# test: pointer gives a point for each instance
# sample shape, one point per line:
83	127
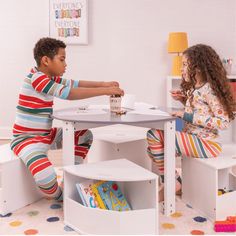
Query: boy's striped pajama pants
186	145
33	151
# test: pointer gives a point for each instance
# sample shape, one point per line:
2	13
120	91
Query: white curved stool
17	187
201	179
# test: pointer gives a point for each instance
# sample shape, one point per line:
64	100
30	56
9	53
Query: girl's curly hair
205	59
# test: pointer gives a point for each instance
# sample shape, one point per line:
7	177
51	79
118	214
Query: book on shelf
98	198
112	196
81	194
86	194
102	194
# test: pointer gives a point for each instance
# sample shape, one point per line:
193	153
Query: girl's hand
115	91
110	84
177	95
179	114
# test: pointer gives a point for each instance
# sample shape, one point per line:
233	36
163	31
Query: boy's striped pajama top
204	116
33	134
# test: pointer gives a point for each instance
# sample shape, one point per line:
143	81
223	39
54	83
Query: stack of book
103	195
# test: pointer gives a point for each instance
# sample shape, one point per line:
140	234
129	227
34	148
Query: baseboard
5	132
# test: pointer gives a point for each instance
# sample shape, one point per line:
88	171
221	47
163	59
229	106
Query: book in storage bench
103	195
86	194
112	196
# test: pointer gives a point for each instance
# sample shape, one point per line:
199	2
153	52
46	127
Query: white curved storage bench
137	184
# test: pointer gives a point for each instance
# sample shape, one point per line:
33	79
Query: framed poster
69	21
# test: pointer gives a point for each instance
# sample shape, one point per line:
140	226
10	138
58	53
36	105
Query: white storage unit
203	177
17	187
138	185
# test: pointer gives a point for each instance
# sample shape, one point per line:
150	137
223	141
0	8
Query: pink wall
127	42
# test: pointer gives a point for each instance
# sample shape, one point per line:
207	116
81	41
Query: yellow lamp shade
177	42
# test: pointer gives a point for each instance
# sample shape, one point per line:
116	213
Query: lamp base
176	66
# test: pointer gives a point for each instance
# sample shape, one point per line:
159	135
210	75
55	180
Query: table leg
68	143
234	130
169	162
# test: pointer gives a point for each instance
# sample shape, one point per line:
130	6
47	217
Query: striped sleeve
70	83
43	84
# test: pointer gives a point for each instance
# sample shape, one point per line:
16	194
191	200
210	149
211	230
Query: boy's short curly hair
47	47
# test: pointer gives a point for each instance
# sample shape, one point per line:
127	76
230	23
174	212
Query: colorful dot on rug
200	219
68	228
7	215
55	206
15	223
32	213
176	215
53	219
168	226
197	232
31	232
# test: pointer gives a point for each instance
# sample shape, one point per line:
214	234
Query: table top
102	114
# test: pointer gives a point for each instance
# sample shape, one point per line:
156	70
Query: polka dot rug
46	217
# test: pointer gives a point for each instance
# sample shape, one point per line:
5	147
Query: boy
33	134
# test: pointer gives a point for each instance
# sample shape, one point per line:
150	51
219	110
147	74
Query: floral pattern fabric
206	112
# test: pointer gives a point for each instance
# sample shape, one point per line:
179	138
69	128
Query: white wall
127	42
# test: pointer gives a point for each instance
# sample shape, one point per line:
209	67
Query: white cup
115	104
128	101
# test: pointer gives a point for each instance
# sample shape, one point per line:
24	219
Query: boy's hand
115	91
110	84
179	114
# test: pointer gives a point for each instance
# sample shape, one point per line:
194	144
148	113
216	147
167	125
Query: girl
208	101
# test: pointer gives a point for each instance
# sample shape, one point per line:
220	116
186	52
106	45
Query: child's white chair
17	187
201	179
